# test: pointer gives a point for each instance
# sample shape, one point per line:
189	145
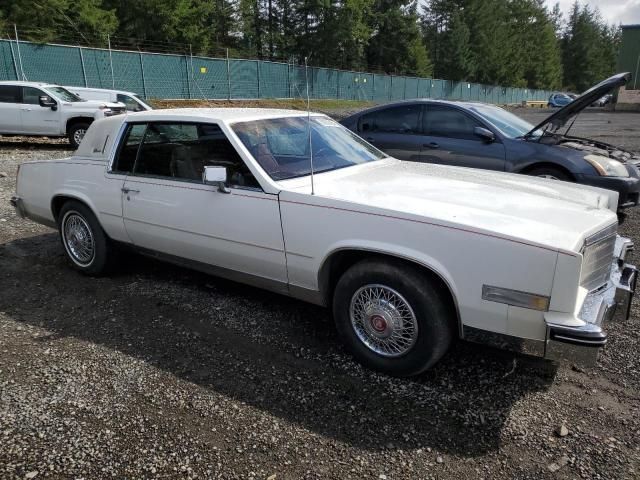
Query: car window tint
131	104
9	94
180	151
31	95
450	122
126	155
399	119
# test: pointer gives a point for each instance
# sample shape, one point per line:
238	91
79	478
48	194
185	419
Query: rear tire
392	317
87	246
550	173
76	133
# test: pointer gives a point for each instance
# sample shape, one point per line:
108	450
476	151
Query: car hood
548	213
559	118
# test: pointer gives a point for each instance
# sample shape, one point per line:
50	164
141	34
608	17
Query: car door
10	120
38	120
451	140
168	209
396	130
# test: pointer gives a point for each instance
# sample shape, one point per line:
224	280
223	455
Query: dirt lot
159	372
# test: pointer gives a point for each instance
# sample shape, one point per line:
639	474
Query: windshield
64	94
281	145
142	102
509	124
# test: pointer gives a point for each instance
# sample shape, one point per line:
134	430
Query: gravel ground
160	372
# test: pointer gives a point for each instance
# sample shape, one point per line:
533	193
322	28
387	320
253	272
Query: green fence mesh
167	76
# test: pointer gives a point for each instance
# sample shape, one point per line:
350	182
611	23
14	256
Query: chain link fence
170	76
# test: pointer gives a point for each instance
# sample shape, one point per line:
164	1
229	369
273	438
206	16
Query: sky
626	12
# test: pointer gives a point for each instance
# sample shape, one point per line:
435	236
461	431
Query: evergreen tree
396	45
588	48
507	42
48	20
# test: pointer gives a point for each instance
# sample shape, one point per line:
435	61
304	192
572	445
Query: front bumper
18	204
581	344
628	188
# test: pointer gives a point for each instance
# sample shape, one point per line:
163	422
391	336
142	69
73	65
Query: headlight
607	167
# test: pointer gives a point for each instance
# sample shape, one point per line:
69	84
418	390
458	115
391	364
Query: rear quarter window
10	94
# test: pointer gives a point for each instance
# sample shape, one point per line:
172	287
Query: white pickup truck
409	256
41	109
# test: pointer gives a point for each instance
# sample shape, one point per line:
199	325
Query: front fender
392	250
522	155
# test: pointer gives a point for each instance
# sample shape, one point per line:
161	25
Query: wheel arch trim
407	255
78	197
532	165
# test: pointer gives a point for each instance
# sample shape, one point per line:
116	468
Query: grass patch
296	104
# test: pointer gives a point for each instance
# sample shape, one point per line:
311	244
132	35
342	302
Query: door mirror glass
486	135
216	176
46	101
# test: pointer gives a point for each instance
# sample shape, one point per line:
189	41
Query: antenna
306	77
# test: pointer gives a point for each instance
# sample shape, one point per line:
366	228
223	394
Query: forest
520	43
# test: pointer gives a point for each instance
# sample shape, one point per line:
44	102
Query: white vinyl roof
227	115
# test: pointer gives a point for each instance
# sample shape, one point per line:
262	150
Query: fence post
373	86
337	84
258	75
113	80
144	83
228	77
84	72
15	28
186	65
13	58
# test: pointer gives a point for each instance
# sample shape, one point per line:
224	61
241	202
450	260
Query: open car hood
559	118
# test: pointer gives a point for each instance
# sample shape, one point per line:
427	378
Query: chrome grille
597	258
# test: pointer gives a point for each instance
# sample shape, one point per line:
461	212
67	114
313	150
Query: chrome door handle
129	190
26	109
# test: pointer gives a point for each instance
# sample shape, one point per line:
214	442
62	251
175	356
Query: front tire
76	133
85	243
550	173
392	317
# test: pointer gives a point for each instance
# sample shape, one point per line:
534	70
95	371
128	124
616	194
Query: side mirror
483	133
47	102
216	176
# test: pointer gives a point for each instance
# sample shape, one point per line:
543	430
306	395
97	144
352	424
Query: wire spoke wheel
383	320
78	239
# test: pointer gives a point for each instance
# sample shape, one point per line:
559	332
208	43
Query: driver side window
441	121
31	96
180	151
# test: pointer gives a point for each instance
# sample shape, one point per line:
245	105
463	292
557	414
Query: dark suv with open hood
480	135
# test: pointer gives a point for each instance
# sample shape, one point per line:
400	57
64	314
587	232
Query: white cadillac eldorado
409	256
